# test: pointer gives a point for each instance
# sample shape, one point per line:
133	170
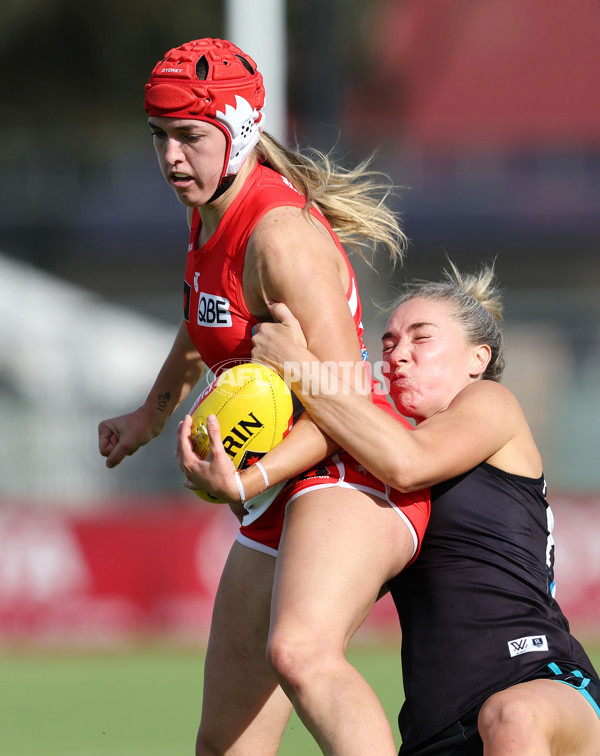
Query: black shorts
462	738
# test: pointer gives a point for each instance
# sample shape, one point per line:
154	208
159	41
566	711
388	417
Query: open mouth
180	179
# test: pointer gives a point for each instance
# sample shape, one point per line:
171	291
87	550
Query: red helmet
211	80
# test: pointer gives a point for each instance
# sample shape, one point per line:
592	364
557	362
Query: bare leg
339	546
244	711
539	718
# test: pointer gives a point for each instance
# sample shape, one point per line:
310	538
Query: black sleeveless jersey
477	607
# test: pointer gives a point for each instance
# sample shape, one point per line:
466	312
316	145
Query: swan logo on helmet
239	122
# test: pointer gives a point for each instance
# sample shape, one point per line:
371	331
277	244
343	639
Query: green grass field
142	702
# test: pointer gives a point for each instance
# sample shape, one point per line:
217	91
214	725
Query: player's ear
481	357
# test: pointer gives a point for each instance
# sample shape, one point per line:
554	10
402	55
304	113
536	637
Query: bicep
304	269
477	424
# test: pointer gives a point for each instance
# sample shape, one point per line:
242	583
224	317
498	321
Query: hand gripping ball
255	412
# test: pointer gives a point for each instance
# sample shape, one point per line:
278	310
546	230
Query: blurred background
485	112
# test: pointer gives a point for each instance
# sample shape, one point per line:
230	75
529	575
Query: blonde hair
477	305
353	201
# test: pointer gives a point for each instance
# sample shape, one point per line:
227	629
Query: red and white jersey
218	319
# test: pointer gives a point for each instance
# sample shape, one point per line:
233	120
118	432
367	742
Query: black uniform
477	609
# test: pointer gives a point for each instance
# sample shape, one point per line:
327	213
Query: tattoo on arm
163	401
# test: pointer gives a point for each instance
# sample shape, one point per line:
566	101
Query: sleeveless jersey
477	607
215	312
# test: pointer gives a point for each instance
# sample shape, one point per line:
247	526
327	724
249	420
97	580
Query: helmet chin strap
224	185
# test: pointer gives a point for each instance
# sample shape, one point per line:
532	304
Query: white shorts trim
255	545
259	504
365	489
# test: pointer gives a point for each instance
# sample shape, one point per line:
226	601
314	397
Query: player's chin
402	402
186	198
190	194
397	396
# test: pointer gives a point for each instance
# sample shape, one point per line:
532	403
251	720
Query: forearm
353	421
180	372
304	447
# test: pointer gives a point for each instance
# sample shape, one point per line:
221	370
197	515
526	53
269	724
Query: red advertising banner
577	569
112	575
104	576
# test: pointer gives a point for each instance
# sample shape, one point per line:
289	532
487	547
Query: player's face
191	156
428	357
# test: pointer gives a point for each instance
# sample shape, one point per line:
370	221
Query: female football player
489	664
267	223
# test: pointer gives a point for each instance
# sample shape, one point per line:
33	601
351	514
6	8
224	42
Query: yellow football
255	412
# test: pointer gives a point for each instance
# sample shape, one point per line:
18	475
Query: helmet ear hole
202	68
246	64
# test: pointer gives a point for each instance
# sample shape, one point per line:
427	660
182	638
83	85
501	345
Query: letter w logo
527	644
519	646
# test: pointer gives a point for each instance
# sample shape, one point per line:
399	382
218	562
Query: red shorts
342	471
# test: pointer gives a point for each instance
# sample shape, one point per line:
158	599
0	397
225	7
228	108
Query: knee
285	658
292	660
508	720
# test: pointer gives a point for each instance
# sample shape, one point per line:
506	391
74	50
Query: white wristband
240	485
264	474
